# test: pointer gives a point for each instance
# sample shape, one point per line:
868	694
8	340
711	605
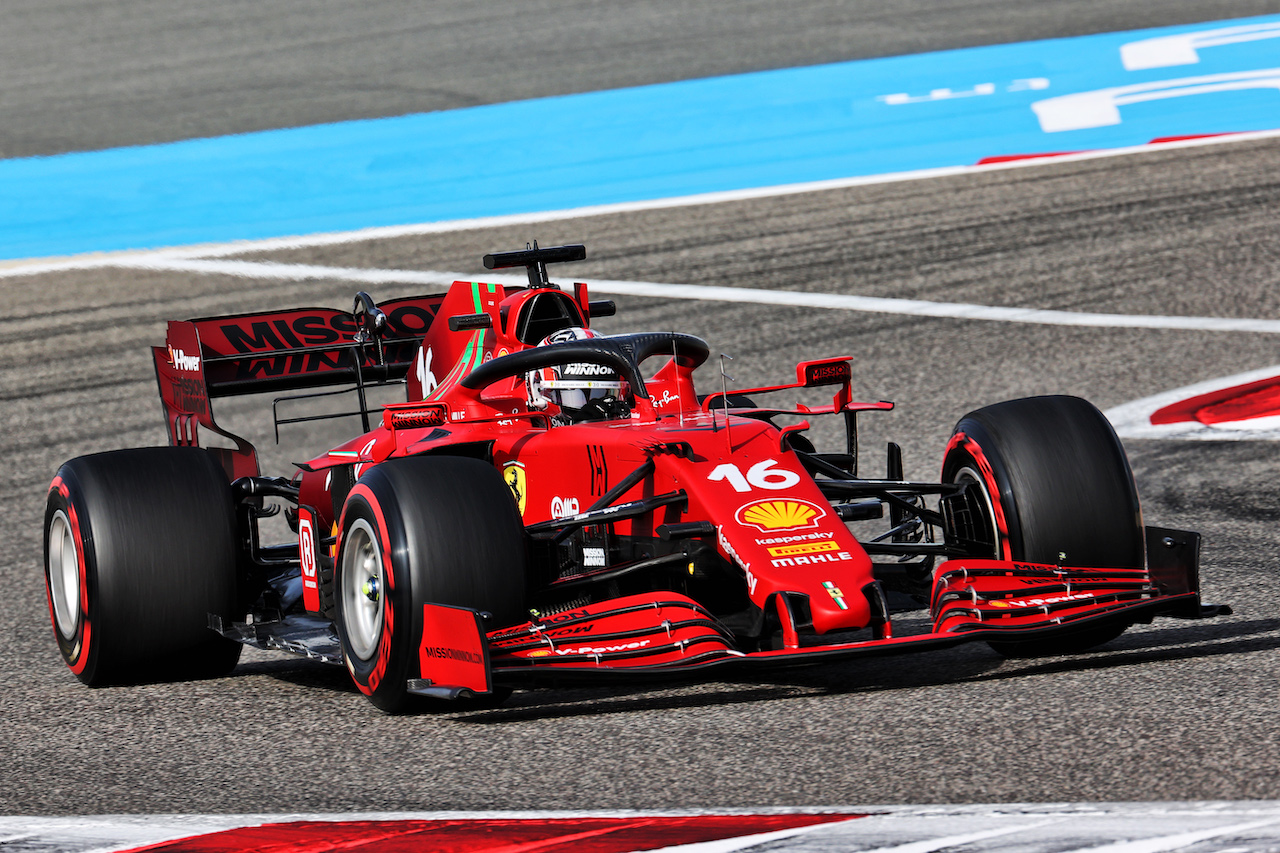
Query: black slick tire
139	549
1057	489
434	529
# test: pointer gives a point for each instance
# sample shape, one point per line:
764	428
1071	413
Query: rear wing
307	347
282	351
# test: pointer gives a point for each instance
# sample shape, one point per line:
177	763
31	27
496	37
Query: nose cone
824	562
835	607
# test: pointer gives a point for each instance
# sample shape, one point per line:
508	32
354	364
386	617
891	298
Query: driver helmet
572	386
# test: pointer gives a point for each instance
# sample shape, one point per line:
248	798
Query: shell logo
793	514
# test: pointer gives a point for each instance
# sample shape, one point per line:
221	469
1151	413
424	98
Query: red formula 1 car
551	504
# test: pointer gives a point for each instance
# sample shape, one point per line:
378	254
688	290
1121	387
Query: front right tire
1055	488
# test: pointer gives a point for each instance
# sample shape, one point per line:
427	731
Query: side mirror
602	308
370	321
460	322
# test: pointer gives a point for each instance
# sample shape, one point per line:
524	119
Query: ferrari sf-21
547	504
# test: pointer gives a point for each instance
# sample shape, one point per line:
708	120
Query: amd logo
563	507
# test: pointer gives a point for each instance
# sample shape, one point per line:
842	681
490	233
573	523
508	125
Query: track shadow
972	663
1144	648
975	662
545	704
738	688
1208	630
301	672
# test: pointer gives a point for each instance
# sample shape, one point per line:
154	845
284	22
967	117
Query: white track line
948	310
932	845
703	198
304	272
1082	827
92	261
1133	420
742	842
710	293
200	259
1180	841
36	266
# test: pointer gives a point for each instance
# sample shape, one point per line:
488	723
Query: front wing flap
664	634
972	595
659	629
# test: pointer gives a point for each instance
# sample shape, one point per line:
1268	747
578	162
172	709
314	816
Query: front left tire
433	529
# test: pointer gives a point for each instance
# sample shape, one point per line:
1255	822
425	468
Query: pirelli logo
803	548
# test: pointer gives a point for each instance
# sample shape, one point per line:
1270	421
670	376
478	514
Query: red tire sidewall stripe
971	447
77	655
369	684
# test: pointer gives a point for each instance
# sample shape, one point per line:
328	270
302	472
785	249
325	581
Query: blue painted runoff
745	131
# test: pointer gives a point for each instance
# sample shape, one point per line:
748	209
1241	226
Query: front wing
661	635
664	634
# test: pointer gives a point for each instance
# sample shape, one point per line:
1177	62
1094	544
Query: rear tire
1057	489
433	529
139	549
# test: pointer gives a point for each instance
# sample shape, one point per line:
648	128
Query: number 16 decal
762	475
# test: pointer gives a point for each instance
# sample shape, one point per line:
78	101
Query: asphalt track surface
80	75
1172	711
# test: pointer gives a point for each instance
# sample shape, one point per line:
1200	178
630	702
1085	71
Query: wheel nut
370	589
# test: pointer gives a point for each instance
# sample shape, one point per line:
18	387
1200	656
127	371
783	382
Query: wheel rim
64	575
363	589
969	475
